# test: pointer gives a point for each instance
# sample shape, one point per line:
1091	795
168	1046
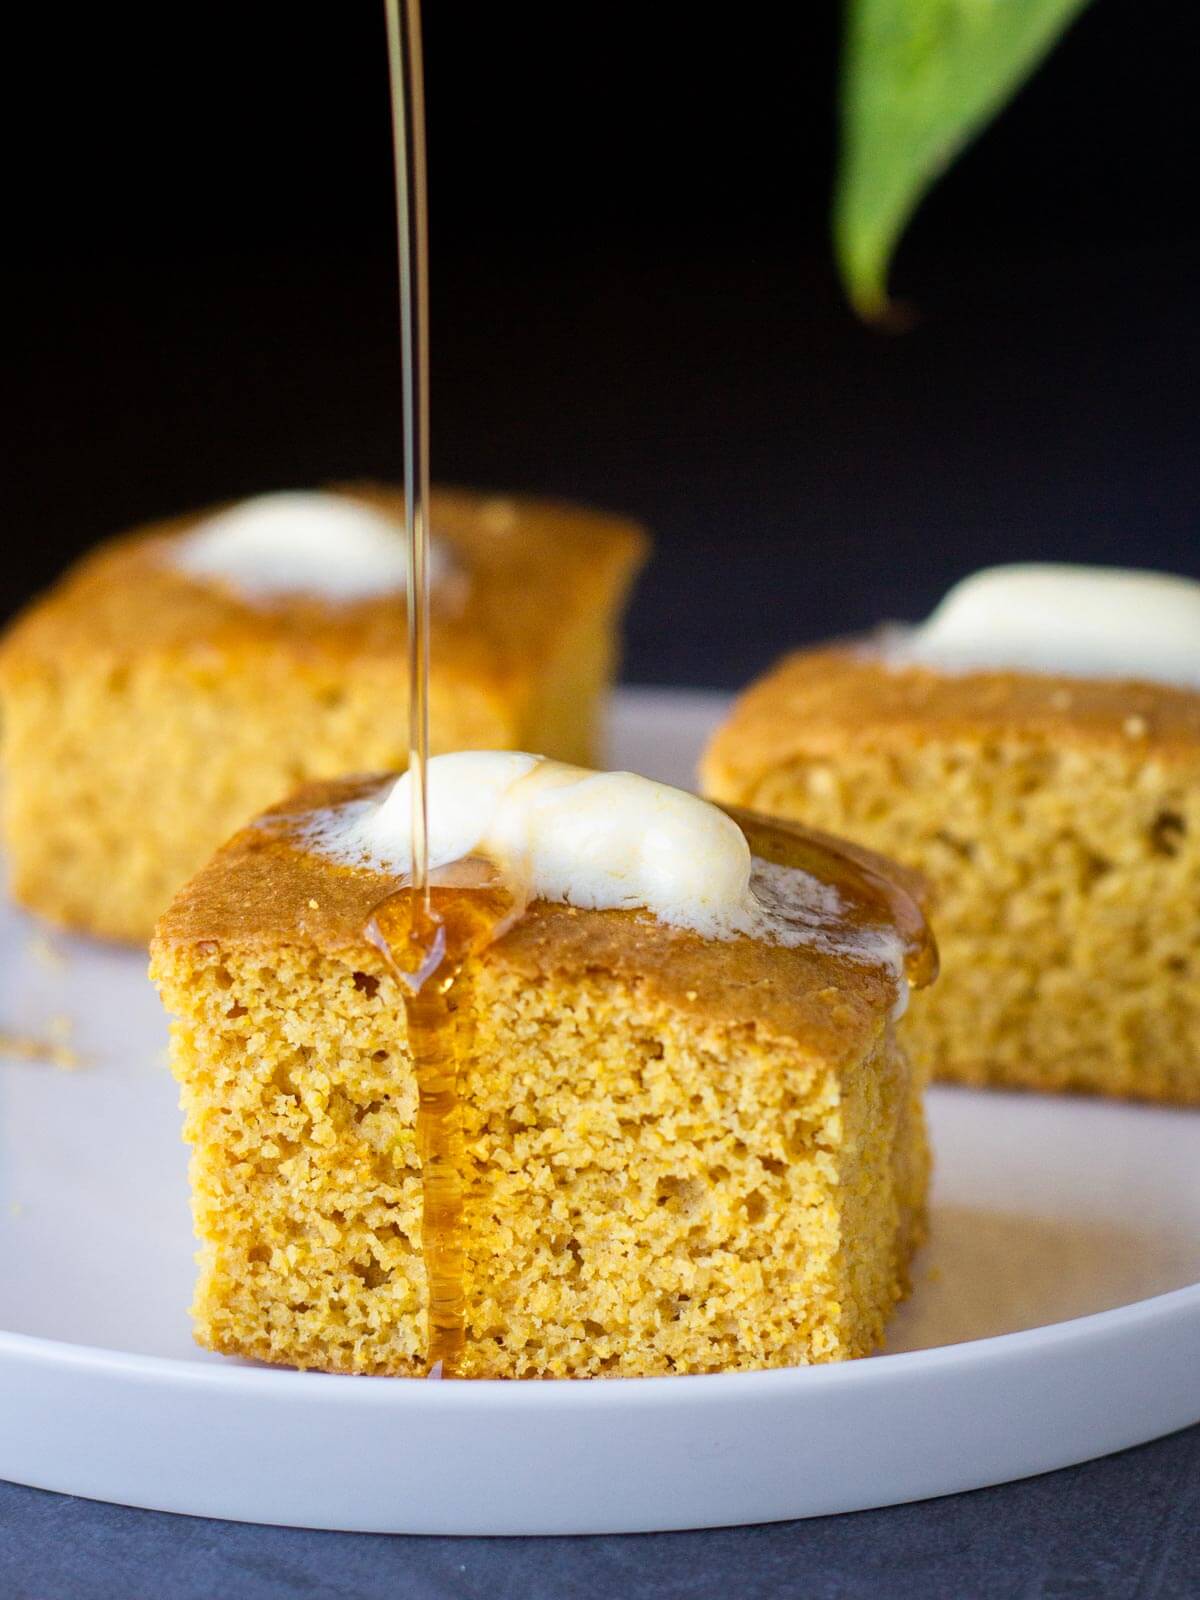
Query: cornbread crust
835	699
1059	820
260	891
147	714
523	563
684	1155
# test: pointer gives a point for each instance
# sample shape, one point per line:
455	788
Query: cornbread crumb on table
681	1155
1059	821
53	1047
147	714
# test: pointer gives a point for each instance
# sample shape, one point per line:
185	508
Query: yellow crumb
46	953
53	1050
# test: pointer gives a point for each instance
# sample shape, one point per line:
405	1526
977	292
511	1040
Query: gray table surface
1127	1527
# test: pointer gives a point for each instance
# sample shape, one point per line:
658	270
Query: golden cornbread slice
1059	821
148	713
679	1154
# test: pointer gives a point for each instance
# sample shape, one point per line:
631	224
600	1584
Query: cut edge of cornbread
647	1193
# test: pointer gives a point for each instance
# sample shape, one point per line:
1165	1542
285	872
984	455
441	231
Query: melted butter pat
1073	621
617	841
597	840
327	546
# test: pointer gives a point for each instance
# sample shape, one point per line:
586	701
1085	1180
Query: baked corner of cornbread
149	712
1059	822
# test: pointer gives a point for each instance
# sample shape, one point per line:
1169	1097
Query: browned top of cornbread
841	697
264	890
524	569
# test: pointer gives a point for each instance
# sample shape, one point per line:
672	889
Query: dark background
633	298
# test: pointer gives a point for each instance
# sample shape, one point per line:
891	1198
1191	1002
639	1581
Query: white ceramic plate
1056	1314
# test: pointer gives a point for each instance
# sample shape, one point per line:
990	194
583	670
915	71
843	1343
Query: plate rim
20	1348
103	1422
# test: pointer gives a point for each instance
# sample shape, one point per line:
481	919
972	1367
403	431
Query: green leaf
920	79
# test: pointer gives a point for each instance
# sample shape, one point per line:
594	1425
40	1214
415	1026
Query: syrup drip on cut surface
869	898
426	941
426	949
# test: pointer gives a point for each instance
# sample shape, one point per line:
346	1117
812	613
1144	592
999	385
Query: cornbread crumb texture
673	1163
1059	820
147	715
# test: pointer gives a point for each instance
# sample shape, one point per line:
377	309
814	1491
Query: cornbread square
148	713
1059	821
679	1154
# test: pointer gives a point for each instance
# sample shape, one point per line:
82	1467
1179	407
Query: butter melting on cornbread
681	1153
1034	749
181	678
